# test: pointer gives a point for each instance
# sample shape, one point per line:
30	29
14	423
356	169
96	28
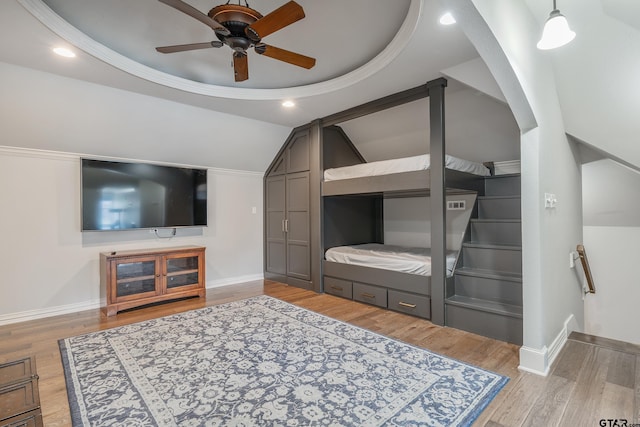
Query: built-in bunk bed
357	264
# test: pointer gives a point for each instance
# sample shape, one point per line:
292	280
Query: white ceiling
338	34
428	48
598	70
365	50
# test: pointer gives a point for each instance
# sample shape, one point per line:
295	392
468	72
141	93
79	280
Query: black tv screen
124	196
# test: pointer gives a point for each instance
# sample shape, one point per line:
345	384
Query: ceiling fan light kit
556	31
242	28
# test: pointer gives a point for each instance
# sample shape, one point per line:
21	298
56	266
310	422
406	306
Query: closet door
297	153
297	226
276	250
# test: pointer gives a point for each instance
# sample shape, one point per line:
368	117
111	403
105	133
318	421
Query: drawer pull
406	304
366	295
337	288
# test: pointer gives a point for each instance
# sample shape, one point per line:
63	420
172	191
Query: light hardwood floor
590	381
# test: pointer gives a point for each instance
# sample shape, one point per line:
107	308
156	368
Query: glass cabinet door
182	272
135	278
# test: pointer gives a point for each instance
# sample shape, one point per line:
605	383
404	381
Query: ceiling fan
241	28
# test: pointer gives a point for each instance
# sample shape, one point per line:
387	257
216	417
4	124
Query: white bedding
389	257
405	164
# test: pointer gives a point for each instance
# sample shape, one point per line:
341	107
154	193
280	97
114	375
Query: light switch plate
550	200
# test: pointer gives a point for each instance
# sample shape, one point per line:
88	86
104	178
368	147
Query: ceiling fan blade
195	13
285	55
240	66
285	15
190	46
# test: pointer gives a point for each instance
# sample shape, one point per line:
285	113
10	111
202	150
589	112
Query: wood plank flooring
592	379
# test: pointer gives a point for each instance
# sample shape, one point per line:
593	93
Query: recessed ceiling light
447	19
63	51
288	104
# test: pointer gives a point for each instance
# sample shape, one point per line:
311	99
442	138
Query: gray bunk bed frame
341	198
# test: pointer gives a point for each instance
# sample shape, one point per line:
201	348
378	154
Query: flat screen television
125	196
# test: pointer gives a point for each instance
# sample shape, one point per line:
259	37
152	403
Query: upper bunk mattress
389	257
405	164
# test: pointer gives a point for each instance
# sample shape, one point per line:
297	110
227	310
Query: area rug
265	362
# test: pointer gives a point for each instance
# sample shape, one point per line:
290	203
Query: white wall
505	35
611	200
49	112
613	255
597	73
407	221
49	266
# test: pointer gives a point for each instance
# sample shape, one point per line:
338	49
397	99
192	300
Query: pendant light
556	31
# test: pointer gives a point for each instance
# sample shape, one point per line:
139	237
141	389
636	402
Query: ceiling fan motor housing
241	28
236	19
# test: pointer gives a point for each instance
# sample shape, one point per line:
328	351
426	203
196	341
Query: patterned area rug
262	361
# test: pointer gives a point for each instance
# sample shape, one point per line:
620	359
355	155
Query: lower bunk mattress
389	257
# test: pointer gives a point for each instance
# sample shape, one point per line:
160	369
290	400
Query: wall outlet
254	210
456	205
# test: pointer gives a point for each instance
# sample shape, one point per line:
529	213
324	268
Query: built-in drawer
339	287
417	305
370	294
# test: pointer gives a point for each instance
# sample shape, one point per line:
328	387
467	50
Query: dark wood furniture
19	397
135	278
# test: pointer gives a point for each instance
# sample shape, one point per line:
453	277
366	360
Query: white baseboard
539	361
233	280
24	316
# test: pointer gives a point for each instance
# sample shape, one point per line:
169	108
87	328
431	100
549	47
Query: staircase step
497	231
496	257
498	207
489	274
502	185
489	286
499	321
485	197
494	307
497	220
496	246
